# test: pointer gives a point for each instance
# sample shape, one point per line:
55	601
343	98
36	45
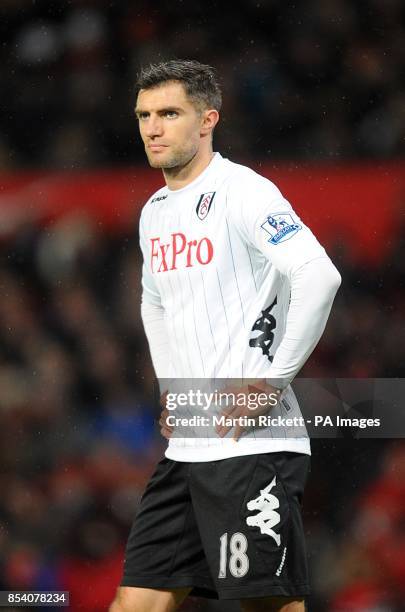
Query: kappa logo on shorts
281	227
204	204
267	518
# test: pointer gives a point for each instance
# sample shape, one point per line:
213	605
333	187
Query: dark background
306	82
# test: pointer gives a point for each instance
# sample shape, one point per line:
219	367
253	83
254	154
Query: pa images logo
281	227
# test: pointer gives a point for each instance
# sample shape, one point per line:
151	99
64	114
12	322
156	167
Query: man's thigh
248	511
164	549
273	604
137	599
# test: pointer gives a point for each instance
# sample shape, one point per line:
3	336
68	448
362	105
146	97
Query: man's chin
155	162
170	160
161	163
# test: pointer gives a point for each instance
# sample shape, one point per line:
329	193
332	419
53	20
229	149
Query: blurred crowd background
313	80
308	79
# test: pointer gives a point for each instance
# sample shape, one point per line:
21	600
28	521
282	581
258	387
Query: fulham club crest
204	204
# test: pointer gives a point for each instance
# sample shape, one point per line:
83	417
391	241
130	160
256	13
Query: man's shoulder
243	179
158	196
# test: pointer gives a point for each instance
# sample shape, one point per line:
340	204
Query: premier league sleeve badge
280	227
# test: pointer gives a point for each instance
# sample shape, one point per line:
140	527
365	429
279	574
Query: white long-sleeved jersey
234	286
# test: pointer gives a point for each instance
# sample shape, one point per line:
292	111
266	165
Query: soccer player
235	286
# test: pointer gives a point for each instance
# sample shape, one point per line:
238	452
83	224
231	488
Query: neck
179	177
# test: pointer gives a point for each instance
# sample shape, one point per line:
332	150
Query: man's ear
209	119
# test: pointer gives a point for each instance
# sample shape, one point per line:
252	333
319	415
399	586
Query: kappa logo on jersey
204	204
281	227
265	326
179	252
267	517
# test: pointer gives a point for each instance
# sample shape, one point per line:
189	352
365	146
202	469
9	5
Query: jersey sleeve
268	222
153	318
313	288
150	293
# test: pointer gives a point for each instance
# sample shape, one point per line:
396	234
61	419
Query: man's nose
154	127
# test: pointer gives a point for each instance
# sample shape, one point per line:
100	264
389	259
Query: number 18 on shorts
229	529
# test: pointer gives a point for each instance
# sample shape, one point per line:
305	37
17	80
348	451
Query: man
234	286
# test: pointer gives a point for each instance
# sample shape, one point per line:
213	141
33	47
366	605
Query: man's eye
142	116
171	114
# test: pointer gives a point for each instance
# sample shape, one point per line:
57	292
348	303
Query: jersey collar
214	163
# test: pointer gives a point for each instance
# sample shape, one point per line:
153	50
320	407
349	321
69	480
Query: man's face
169	124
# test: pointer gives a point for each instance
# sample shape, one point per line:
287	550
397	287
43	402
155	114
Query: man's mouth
156	147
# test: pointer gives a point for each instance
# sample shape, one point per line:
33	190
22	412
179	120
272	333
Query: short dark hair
199	80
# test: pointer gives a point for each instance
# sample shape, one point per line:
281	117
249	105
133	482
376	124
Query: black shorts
230	529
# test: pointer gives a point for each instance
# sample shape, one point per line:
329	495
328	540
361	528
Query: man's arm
268	223
295	253
156	333
313	288
153	318
152	313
